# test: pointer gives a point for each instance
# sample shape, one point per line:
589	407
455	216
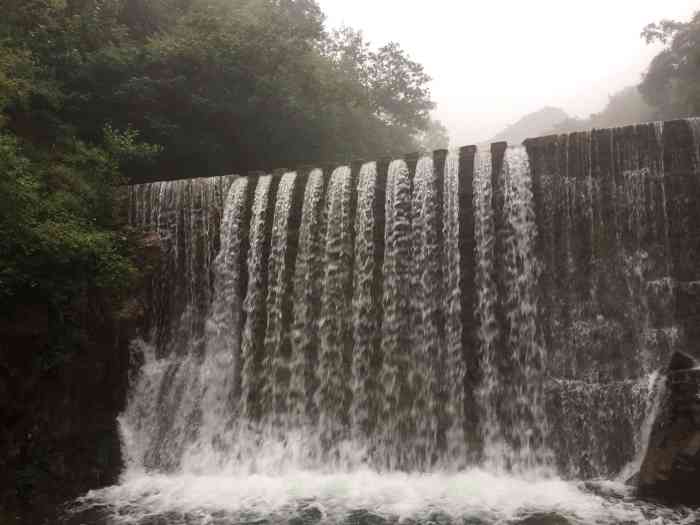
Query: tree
433	138
392	85
672	82
231	85
382	92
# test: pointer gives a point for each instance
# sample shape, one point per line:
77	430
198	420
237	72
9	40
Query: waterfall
429	344
395	432
365	381
487	297
333	396
527	425
220	369
307	301
503	310
344	328
451	303
253	379
276	365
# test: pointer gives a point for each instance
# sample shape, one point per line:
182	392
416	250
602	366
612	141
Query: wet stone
680	361
688	299
661	302
543	519
671	468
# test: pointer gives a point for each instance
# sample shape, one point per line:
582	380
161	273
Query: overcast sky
493	61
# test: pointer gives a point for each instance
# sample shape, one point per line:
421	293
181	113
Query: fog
494	61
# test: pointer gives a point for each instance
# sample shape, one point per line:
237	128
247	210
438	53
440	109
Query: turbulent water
447	340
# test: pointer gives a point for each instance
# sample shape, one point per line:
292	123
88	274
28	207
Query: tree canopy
434	137
672	82
219	85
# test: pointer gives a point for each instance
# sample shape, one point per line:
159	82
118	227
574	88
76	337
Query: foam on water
475	495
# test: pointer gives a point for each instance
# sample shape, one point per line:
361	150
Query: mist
493	62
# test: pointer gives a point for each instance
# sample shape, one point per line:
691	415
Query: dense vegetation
97	92
224	85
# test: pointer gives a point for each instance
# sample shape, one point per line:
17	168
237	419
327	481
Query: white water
473	494
451	303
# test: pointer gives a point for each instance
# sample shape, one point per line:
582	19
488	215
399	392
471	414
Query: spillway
470	334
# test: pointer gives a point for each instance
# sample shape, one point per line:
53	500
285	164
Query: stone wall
59	436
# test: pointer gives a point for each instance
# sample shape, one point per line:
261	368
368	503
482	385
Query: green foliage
57	231
58	234
229	85
672	82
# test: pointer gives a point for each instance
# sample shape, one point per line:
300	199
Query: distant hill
540	122
624	107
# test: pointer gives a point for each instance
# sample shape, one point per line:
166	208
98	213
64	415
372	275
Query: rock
670	471
550	518
59	437
681	361
633	480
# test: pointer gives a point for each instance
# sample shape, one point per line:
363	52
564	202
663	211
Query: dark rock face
671	468
59	435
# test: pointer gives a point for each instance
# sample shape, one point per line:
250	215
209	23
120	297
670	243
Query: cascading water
514	422
333	396
307	300
365	381
456	365
310	353
163	403
220	368
395	430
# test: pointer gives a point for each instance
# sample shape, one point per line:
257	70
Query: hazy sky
492	61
